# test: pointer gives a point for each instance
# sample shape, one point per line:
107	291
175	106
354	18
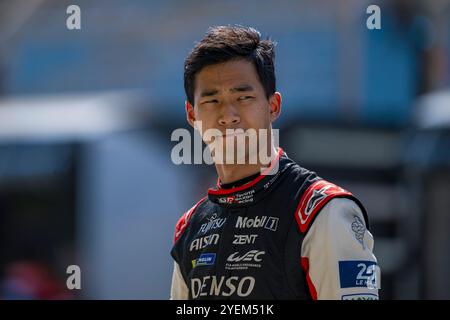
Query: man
270	229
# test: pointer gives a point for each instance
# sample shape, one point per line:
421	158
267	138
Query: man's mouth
233	133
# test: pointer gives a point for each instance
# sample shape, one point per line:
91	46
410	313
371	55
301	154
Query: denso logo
252	255
270	223
222	286
203	242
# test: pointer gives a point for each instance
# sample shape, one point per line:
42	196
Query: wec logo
252	255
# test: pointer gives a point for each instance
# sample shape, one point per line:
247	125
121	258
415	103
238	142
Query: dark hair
225	43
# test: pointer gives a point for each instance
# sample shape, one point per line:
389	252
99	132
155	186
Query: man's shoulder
316	194
298	173
184	220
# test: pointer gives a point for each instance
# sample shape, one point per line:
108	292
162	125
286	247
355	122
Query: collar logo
230	199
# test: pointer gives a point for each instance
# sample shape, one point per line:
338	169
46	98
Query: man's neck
229	173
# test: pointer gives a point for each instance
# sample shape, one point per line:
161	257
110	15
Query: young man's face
230	96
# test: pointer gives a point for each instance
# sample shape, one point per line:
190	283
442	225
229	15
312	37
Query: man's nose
229	115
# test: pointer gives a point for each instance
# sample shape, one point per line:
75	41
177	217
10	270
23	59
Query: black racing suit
247	242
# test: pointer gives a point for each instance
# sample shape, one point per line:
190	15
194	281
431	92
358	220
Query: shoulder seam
184	220
314	198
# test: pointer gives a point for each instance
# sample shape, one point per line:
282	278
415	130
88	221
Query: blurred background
86	116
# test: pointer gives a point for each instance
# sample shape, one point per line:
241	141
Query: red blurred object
32	280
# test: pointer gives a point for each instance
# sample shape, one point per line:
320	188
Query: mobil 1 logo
266	222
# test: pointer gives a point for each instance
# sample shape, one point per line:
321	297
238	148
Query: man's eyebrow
242	88
207	93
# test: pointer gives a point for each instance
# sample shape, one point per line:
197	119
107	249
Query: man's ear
275	106
190	114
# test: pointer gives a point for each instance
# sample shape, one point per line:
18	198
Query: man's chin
236	149
237	157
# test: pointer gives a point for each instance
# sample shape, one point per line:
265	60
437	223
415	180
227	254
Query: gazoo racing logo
212	224
270	223
243	197
230	199
203	242
222	286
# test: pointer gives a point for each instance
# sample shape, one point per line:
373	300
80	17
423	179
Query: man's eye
210	101
245	98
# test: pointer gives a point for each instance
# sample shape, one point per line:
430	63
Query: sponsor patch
358	274
250	259
205	259
252	255
203	242
360	296
214	222
244	238
222	286
269	223
239	198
